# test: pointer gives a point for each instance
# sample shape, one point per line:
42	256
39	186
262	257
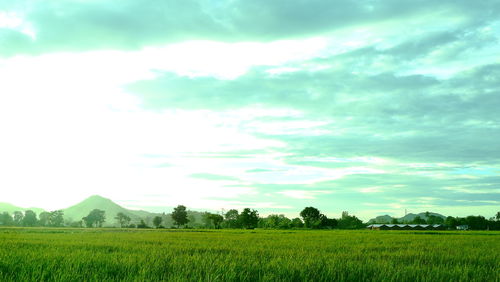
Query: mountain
407	218
381	219
77	212
82	209
6	207
411	216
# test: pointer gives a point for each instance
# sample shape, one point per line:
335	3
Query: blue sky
368	106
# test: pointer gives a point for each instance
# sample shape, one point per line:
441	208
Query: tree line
309	218
29	219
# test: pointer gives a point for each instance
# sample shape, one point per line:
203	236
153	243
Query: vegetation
312	218
248	218
28	254
95	218
97	254
142	224
123	219
349	222
157	221
232	219
179	215
212	220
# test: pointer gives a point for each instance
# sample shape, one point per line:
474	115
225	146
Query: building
406	227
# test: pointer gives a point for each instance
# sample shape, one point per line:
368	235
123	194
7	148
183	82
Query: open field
236	255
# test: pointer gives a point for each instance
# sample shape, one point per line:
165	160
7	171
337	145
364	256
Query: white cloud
68	131
229	60
373	189
14	21
303	194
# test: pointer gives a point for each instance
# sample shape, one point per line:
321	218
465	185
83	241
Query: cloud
73	25
215	177
377	101
259	103
386	115
303	194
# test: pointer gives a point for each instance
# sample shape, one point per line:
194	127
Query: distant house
406	227
463	227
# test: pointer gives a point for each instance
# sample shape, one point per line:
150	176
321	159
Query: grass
36	254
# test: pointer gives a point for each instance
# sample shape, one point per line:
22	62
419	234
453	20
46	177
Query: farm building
406	227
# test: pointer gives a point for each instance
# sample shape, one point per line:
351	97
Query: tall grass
131	255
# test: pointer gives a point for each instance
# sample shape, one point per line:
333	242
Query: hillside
82	209
411	216
76	212
407	218
381	219
6	207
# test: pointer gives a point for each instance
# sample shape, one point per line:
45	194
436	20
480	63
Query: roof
404	225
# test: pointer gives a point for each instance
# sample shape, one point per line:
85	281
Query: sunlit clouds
372	107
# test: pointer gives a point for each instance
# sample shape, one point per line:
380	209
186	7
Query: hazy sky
368	106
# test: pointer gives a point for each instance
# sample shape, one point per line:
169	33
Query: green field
235	255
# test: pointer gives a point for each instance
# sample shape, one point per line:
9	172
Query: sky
369	106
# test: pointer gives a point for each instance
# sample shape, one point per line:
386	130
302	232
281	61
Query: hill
82	209
6	207
407	218
411	216
77	212
381	219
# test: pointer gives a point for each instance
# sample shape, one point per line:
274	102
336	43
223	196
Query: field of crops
235	255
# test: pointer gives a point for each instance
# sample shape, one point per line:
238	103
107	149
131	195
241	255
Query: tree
18	218
142	224
179	215
157	221
56	218
432	219
207	221
44	219
191	219
30	218
497	216
88	221
75	224
326	222
271	221
476	222
311	216
276	221
217	219
123	219
394	221
95	218
6	219
494	224
212	220
418	220
284	222
297	223
451	222
349	222
231	219
249	218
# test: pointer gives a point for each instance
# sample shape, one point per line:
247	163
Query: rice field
36	254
